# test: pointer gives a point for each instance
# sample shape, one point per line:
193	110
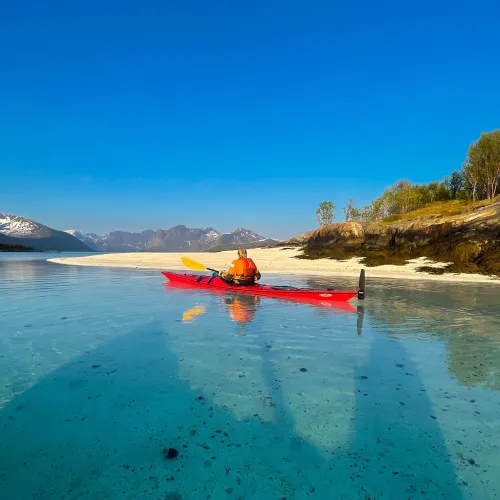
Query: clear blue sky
135	115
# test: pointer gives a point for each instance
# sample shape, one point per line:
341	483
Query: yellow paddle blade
190	314
192	264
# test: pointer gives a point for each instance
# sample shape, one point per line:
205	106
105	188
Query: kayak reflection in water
242	309
243	270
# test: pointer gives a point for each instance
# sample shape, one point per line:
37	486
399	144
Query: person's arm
229	276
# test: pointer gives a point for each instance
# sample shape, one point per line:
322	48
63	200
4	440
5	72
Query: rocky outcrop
482	223
343	233
470	238
298	241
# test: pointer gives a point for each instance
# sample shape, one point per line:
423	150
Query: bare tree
325	213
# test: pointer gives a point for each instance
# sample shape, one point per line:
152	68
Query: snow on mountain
211	235
92	240
16	226
239	236
83	234
242	235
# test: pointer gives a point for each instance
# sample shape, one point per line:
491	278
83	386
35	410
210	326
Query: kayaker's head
242	253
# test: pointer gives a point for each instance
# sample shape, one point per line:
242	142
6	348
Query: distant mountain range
17	230
175	239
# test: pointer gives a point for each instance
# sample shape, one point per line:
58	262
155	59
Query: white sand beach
273	261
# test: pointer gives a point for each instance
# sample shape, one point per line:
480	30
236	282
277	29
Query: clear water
102	369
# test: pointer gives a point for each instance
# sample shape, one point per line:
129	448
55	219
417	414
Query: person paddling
243	270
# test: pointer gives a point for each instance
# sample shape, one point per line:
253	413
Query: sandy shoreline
273	261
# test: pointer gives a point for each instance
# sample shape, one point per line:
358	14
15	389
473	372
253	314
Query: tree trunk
496	179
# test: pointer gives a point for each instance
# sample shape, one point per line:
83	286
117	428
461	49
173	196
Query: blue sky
135	115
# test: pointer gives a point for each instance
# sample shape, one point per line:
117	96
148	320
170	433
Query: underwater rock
170	453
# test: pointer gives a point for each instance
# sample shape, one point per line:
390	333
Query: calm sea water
102	371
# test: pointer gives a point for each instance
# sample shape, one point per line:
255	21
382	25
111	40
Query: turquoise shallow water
103	369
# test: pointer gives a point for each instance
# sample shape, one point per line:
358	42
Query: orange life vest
243	268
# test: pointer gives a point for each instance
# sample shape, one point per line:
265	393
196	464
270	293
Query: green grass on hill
439	208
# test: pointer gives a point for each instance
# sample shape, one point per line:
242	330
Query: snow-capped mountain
92	240
240	236
18	227
22	231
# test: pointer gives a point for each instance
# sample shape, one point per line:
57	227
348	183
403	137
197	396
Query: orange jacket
243	268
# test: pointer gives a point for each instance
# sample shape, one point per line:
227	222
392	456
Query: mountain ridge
175	239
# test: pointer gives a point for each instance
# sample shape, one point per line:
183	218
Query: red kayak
328	295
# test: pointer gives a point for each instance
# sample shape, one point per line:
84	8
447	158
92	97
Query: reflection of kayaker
242	309
243	270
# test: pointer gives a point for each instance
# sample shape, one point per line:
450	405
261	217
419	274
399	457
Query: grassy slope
438	208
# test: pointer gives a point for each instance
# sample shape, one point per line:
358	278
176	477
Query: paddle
197	266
